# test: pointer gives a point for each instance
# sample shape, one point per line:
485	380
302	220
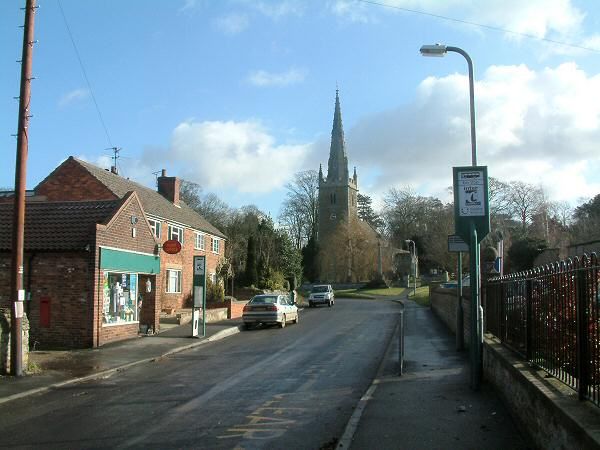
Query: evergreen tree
310	267
366	211
251	270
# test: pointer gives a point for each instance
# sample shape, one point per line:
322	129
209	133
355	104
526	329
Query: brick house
86	267
168	216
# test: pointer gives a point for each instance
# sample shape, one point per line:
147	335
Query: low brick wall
547	410
235	308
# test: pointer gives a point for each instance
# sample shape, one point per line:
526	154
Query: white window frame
156	227
179	233
215	245
200	241
178	280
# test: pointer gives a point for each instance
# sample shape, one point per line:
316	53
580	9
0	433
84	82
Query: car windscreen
320	289
263	300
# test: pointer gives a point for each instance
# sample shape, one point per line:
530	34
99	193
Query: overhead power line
89	85
480	25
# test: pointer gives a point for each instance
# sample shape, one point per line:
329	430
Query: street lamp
440	50
414	264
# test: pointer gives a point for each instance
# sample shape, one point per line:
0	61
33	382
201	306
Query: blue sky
239	95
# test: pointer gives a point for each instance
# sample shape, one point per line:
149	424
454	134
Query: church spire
337	167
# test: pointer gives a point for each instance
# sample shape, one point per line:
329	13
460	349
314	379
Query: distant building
337	191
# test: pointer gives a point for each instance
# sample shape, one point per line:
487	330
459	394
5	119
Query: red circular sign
171	247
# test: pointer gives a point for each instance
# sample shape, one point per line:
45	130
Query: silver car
269	309
321	294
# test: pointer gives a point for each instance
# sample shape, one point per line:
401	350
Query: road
266	388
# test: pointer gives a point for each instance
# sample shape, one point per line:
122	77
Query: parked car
269	309
466	282
321	294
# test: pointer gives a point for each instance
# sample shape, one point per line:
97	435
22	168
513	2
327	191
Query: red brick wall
70	181
63	278
184	261
235	308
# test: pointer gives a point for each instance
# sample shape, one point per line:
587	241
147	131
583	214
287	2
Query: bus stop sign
471	201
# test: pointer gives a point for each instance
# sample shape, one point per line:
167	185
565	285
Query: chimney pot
164	173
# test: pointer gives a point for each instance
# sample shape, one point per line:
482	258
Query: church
347	246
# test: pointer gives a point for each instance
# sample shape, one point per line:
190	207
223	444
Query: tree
523	252
586	220
251	269
310	260
525	200
367	213
300	207
209	206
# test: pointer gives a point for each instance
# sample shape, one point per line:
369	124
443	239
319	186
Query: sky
238	95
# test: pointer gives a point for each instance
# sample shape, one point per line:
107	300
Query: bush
273	281
214	292
378	283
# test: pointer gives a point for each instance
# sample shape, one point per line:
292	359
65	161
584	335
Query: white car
269	309
321	294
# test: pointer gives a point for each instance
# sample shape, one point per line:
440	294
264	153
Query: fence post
528	318
583	357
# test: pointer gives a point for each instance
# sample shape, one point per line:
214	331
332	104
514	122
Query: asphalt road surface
266	388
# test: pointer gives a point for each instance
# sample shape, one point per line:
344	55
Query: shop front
127	293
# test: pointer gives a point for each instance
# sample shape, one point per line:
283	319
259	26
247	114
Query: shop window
120	298
175	233
215	245
199	245
173	281
155	225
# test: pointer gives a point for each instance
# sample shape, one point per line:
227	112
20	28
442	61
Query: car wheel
297	318
310	304
248	325
330	303
282	324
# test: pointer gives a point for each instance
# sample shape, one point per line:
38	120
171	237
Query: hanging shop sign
172	247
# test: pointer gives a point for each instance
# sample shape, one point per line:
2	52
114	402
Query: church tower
337	191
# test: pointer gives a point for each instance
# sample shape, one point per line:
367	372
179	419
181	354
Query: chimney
113	169
168	187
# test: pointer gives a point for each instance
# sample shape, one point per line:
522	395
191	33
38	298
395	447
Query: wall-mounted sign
172	247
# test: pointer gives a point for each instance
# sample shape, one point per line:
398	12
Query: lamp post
414	264
440	50
476	340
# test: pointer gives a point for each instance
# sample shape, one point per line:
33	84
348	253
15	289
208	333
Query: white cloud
279	9
541	127
233	23
240	156
262	78
73	96
558	20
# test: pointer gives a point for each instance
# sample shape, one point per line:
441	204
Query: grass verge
422	296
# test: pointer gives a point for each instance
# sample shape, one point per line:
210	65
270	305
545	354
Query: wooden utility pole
17	291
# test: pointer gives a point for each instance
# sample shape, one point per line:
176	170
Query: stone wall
443	304
547	410
5	327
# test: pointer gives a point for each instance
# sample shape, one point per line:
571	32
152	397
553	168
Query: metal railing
550	316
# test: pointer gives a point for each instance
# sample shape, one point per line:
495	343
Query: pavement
429	406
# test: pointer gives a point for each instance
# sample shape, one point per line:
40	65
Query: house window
155	225
199	244
173	281
215	245
175	233
120	298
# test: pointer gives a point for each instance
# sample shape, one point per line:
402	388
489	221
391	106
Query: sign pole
472	222
199	295
460	345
